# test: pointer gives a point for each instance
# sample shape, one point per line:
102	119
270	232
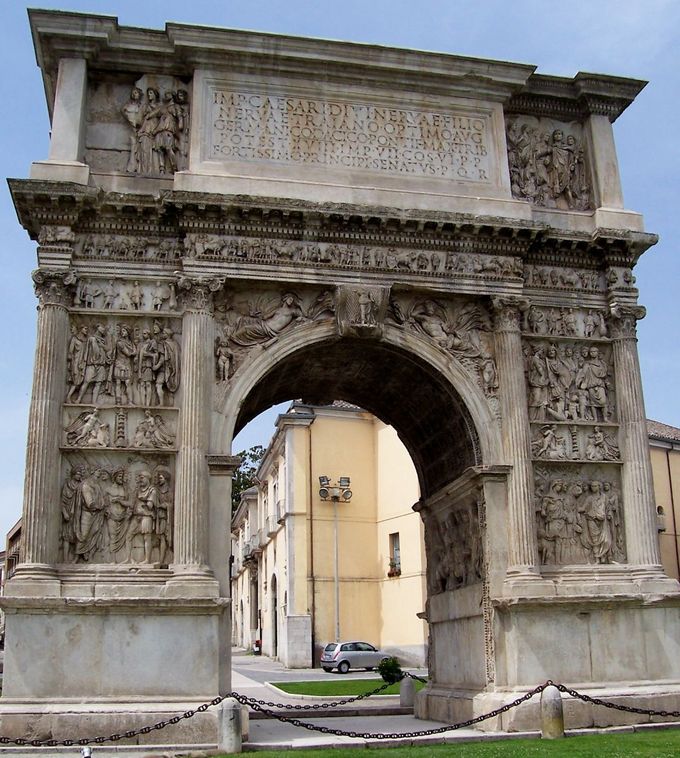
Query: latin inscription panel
265	128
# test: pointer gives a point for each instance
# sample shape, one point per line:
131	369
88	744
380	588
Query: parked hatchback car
346	655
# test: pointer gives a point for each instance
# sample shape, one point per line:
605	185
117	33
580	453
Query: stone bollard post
245	723
407	692
552	715
229	726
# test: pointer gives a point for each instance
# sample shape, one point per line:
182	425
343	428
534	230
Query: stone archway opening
392	383
402	389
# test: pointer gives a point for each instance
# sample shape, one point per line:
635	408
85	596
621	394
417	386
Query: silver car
345	655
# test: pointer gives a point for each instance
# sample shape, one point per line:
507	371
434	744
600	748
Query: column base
526	581
34	580
191	581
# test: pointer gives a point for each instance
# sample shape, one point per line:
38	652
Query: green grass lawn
337	687
658	744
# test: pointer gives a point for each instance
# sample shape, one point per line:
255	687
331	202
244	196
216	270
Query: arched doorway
418	390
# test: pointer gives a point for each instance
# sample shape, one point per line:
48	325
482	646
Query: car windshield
330	646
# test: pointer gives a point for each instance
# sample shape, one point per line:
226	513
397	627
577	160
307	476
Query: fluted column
522	548
41	514
191	494
636	475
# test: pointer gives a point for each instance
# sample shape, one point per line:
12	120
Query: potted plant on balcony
394	569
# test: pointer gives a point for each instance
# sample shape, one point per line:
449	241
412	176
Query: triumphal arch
229	219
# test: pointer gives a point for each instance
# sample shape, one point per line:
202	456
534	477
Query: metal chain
255	705
614	706
264	706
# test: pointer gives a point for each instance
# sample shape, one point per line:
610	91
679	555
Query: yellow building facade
664	449
306	570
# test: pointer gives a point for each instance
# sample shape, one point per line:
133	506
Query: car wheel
383	660
343	667
327	669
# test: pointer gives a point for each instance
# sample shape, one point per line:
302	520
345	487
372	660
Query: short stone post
229	726
552	714
407	692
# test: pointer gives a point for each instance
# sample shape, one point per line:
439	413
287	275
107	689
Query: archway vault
394	383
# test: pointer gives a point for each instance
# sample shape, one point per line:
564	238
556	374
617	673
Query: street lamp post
336	493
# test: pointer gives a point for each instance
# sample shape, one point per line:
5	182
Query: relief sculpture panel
579	516
123	363
246	320
572	382
548	163
116	510
141	128
454	547
460	327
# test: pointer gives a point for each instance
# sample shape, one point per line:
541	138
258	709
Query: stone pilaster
522	548
192	507
636	475
41	513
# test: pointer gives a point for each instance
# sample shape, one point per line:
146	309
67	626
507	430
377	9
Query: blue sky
637	39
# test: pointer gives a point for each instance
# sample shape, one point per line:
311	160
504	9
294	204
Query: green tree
245	473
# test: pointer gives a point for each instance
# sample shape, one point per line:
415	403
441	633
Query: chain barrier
265	707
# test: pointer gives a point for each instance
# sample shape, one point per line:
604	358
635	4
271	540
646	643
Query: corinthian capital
508	313
196	292
623	320
54	287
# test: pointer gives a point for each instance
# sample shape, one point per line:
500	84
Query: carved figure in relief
489	376
599	524
110	294
153	432
74	360
601	447
121	372
166	366
136	297
161	293
83	429
89	524
144	511
146	360
536	320
550	445
94	359
458	336
570	324
614	513
70	512
538	385
86	294
264	324
166	137
118	514
146	134
554	525
224	359
367	308
182	100
133	111
164	513
592	379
